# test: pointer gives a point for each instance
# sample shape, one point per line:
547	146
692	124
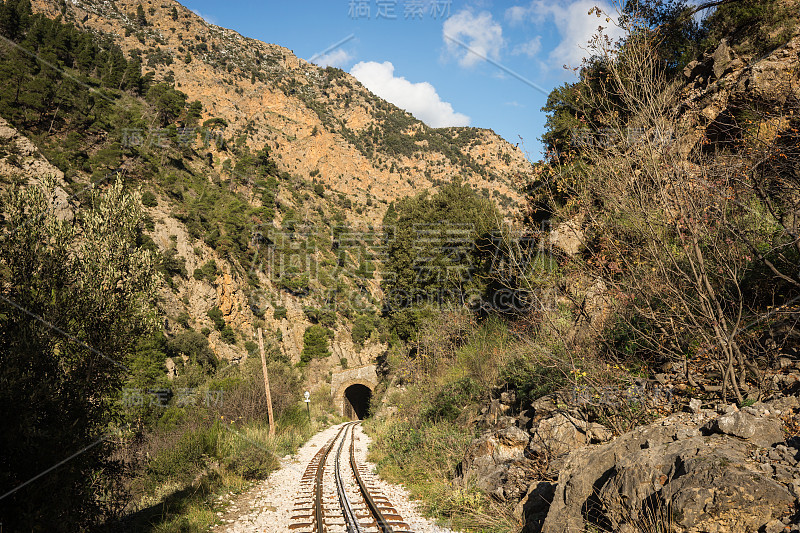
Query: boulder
703	482
563	433
496	462
722	57
763	432
534	505
569	236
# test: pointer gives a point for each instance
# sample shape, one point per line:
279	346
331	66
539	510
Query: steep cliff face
315	120
243	250
724	85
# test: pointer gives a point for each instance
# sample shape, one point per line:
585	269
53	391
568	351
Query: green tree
141	20
315	343
194	113
216	317
678	33
194	345
169	103
75	301
363	326
440	250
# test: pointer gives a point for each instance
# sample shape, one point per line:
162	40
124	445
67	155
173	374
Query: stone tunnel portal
356	401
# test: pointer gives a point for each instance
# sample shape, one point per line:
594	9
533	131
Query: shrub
315	343
452	399
325	317
253	462
227	334
251	347
208	271
279	313
216	316
182	461
530	379
172	264
183	319
149	199
194	345
363	327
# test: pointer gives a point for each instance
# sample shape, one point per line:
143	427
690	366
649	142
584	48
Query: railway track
337	494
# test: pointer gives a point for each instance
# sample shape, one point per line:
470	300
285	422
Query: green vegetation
216	317
208	272
451	373
455	342
424	457
141	20
440	250
324	317
194	345
363	326
315	343
649	253
212	439
75	303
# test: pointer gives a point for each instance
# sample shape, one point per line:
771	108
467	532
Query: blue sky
477	63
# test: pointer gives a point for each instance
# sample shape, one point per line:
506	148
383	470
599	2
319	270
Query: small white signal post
307	399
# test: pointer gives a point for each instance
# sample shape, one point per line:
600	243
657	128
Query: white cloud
575	25
419	99
530	48
337	58
207	18
516	15
480	33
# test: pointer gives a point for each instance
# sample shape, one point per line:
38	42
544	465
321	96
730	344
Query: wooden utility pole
266	384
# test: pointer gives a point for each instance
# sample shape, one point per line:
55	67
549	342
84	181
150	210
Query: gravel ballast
267	507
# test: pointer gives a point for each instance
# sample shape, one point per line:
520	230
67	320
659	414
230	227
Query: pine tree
9	19
141	20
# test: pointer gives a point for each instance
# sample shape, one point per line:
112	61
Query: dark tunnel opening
356	401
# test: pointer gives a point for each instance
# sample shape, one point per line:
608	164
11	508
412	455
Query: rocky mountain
337	157
315	120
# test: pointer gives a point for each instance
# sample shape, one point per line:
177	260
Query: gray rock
722	56
774	526
508	398
496	462
708	482
694	405
563	433
759	430
534	505
569	236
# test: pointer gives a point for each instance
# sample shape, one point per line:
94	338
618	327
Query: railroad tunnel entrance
356	401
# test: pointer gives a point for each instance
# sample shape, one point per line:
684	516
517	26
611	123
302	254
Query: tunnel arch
356	400
357	404
356	388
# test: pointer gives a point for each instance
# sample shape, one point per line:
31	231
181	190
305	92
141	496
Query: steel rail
351	522
318	511
380	520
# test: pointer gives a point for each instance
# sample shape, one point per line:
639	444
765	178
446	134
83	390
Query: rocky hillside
238	252
660	393
315	120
